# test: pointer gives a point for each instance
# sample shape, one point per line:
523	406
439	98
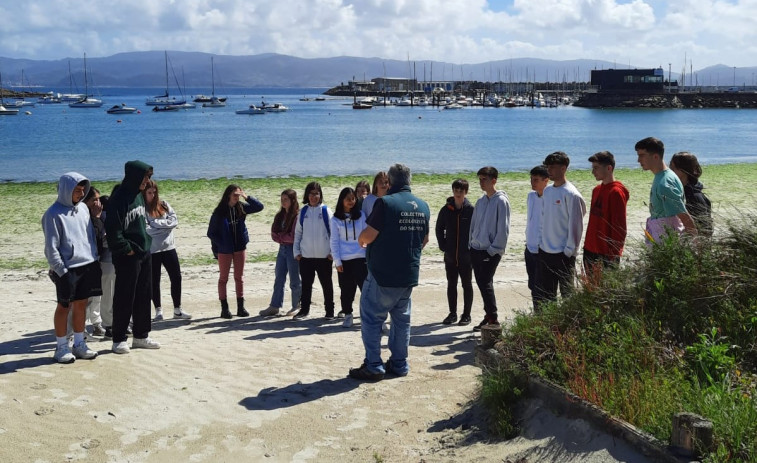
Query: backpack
324	214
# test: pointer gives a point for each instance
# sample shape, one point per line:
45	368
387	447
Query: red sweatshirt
606	232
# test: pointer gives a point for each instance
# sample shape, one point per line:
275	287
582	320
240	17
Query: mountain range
193	69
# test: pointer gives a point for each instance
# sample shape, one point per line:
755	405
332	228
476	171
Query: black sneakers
363	374
451	318
464	320
485	321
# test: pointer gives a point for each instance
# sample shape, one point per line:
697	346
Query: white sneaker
293	311
341	314
179	314
158	315
81	351
385	328
63	355
121	347
347	323
269	312
146	343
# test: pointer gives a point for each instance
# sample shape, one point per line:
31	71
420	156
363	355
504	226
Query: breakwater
668	100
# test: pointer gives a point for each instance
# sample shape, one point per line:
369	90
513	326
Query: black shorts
78	283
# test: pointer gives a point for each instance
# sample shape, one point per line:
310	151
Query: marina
318	138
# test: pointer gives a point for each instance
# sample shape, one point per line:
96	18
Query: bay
318	138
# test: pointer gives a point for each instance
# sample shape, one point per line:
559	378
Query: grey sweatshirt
490	225
69	235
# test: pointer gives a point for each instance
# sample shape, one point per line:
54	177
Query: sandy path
250	389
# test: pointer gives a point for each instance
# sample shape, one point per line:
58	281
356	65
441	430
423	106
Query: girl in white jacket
349	256
161	221
312	250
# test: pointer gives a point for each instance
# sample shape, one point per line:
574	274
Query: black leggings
169	260
309	267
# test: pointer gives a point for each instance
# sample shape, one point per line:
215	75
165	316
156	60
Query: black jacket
453	231
699	207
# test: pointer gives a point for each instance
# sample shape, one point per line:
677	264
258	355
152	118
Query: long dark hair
156	207
284	219
339	212
223	205
689	164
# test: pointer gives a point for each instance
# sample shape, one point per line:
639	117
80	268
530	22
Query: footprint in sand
43	411
38	386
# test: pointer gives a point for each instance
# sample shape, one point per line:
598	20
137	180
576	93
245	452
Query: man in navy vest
396	232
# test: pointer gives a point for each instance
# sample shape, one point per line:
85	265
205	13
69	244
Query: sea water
318	138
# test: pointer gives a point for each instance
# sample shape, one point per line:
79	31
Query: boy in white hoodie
71	251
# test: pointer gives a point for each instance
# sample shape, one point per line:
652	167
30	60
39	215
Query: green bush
673	330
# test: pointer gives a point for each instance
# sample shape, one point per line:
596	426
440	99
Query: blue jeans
376	302
286	263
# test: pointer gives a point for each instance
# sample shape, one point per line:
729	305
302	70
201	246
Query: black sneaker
484	323
451	318
329	316
464	320
363	374
301	315
108	333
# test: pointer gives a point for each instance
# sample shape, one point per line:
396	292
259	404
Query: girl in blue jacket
229	237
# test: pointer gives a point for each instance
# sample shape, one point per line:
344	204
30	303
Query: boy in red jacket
606	233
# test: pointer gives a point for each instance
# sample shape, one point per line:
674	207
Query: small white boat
50	98
214	103
71	97
252	109
454	106
7	112
86	102
18	104
274	108
121	109
187	105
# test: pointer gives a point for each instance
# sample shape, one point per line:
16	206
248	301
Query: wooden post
490	334
692	435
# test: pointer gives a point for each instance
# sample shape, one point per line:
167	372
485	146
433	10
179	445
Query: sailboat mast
166	56
212	77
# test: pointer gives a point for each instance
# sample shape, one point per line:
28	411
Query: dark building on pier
646	81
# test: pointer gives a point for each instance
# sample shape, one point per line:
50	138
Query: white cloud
641	32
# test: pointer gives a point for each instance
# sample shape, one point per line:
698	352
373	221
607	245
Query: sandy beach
254	389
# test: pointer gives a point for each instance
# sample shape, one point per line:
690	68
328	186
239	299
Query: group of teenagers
374	238
105	255
473	238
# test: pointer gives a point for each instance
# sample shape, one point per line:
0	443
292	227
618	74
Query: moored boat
252	109
274	108
167	108
7	112
165	99
121	109
86	102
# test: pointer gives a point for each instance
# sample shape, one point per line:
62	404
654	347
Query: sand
253	389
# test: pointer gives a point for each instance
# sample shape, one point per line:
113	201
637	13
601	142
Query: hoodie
490	225
126	216
453	231
698	205
344	234
70	240
606	232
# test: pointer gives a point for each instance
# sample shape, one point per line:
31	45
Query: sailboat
3	110
86	102
165	99
71	96
214	102
20	102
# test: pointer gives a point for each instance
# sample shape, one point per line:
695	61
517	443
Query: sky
640	33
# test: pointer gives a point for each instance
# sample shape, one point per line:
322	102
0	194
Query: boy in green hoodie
129	243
